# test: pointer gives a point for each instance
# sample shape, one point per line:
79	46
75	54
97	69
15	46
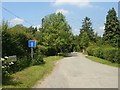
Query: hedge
108	53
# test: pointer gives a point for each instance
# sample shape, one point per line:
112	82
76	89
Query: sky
31	13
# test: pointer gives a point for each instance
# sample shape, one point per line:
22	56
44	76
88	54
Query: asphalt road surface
80	72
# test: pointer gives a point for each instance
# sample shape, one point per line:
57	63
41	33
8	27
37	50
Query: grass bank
102	61
29	76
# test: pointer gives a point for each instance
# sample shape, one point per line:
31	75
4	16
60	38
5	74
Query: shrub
38	59
90	50
98	52
6	68
107	53
20	64
117	57
42	49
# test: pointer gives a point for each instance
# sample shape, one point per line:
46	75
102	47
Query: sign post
32	44
32	53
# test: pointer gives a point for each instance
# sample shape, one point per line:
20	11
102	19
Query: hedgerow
107	53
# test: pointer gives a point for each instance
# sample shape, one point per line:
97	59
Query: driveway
79	72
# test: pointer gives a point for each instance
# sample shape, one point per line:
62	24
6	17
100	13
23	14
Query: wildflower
3	67
2	59
12	63
6	57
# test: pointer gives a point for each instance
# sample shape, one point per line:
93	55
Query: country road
80	72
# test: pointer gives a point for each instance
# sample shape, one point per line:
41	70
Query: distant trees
111	35
86	33
87	27
84	42
76	43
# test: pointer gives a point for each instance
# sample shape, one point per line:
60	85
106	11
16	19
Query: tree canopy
87	27
111	35
56	33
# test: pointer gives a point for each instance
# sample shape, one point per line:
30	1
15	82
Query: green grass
102	61
29	76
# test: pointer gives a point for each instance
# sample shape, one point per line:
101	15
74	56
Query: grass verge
103	61
29	76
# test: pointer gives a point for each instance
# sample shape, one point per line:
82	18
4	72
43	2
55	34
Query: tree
98	40
14	41
112	28
84	41
76	44
87	27
56	34
32	30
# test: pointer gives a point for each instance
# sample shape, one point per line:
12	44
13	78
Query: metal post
32	53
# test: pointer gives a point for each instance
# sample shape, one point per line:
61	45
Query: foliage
6	67
21	63
104	52
87	27
98	40
84	40
112	29
76	43
38	59
86	34
15	41
32	30
56	34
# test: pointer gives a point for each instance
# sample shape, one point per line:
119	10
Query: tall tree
87	27
84	41
112	28
56	33
76	44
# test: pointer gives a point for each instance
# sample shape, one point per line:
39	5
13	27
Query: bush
15	42
38	59
6	71
107	53
90	50
117	57
98	52
42	49
20	64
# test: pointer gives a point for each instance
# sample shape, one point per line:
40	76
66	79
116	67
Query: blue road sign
31	43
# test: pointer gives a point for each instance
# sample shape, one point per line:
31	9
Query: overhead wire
16	16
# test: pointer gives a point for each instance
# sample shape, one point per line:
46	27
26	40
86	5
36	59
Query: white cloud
63	11
16	21
79	3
